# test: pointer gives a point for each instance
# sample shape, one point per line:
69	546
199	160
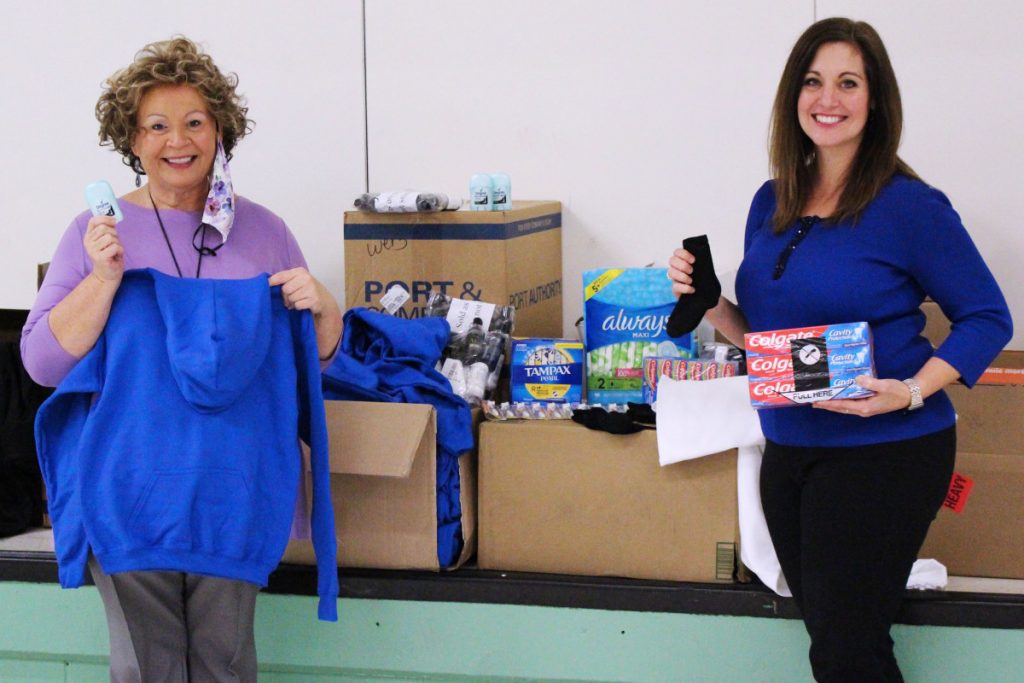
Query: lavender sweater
260	242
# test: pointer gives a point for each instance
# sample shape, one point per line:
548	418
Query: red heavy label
959	488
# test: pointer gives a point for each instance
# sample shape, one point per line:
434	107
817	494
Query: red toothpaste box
804	365
656	367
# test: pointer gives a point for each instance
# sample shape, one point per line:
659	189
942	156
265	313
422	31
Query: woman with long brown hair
845	231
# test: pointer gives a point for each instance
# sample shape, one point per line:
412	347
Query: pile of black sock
638	416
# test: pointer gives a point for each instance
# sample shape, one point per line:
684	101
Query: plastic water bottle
438	304
476	368
494	354
476	341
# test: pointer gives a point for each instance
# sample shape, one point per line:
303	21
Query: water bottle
475	341
438	305
503	319
476	369
494	355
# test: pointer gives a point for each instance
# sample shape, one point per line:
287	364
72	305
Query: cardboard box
987	537
383	486
990	417
557	497
936	325
501	257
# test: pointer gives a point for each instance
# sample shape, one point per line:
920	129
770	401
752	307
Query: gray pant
170	627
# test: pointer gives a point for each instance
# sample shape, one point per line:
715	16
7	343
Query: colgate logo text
771	365
773	340
770	389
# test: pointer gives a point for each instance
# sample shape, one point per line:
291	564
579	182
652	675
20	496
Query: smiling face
176	140
834	100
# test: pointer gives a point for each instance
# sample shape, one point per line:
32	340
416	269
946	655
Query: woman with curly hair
175	118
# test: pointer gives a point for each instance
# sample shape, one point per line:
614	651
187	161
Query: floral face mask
219	212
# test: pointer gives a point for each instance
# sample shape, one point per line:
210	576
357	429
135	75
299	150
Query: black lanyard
201	247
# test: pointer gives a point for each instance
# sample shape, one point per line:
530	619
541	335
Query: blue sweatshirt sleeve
58	430
313	430
947	265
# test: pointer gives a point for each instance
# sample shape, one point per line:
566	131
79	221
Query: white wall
300	65
647	119
962	107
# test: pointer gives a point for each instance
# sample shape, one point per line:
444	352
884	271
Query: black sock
691	307
603	420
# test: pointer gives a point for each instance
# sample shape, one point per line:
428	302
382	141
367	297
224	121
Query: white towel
756	549
928	575
698	418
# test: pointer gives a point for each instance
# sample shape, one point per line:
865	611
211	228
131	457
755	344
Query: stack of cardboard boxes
383	456
979	532
557	497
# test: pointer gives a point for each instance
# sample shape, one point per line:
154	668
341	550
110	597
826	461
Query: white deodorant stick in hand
101	200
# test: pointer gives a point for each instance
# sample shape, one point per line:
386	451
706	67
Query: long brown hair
794	165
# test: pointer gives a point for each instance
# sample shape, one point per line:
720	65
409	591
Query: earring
138	180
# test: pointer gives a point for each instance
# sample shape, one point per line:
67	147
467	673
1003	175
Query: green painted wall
47	634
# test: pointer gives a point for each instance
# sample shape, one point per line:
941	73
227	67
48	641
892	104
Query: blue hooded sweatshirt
173	444
384	358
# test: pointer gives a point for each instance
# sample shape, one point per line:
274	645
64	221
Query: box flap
377	439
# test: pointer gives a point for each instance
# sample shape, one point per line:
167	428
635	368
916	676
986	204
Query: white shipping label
460	315
394	299
396	202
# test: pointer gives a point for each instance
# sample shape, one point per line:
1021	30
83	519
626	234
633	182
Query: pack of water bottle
478	345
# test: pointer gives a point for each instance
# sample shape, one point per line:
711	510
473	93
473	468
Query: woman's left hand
300	290
890	395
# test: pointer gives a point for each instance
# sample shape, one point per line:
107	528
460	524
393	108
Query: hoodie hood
218	335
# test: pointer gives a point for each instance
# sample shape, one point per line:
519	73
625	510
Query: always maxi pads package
625	312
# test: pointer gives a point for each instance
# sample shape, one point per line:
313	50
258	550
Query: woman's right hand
680	272
104	248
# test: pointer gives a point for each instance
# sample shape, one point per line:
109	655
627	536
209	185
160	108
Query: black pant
847	524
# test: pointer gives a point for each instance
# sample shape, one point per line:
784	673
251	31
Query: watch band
916	401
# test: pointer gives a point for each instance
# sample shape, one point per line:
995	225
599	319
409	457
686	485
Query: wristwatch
915	394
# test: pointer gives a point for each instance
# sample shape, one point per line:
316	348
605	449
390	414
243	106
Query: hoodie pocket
201	510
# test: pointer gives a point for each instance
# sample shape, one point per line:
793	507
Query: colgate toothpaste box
808	364
777	342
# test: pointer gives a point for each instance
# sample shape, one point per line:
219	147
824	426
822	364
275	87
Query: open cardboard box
384	488
557	497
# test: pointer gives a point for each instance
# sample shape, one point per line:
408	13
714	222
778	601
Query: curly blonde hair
169	62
